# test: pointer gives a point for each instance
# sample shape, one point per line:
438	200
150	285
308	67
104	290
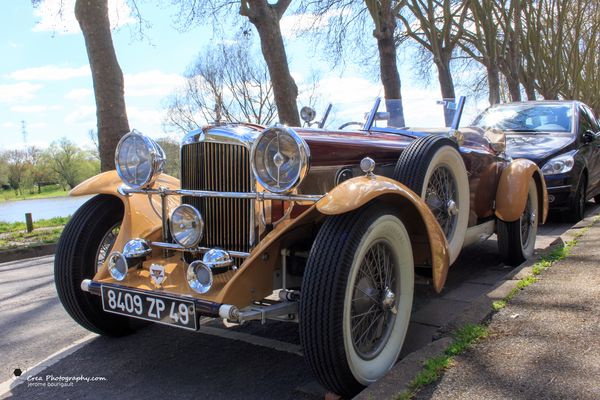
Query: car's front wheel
516	239
576	211
84	244
356	299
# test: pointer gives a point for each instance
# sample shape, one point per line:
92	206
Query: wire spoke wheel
441	197
106	245
373	302
527	220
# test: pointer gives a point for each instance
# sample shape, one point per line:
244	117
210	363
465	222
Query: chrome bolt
451	207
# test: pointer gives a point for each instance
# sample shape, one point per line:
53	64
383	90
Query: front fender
141	218
427	239
426	234
511	194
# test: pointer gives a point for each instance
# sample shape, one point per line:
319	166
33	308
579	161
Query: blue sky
45	78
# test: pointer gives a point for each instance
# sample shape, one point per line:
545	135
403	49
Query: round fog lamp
186	225
199	277
117	266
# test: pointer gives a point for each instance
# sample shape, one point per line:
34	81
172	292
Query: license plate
150	307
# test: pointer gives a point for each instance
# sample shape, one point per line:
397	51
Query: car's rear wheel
516	239
576	210
84	244
356	298
433	168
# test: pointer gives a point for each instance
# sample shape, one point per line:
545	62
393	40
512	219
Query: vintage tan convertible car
321	227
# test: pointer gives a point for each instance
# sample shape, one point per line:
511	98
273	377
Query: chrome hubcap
374	304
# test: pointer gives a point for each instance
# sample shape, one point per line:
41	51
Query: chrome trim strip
178	247
559	187
234	195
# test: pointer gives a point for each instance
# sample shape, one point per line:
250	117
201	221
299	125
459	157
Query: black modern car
563	138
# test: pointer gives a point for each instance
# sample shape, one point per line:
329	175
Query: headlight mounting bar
125	190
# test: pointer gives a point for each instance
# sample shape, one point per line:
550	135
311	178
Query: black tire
326	310
597	199
75	260
576	210
415	167
513	246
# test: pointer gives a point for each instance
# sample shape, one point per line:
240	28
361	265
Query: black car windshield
528	118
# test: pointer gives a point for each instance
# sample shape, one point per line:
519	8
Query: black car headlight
559	165
139	160
280	159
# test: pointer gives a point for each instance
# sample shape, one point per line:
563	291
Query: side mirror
307	114
588	136
496	138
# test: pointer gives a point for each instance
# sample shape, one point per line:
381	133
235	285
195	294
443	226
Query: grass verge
14	235
433	368
558	253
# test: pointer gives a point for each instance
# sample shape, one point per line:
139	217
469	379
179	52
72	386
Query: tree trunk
514	87
388	67
107	76
493	77
446	87
265	17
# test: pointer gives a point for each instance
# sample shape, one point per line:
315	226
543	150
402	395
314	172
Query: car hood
538	147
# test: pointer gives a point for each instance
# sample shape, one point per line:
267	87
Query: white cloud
18	92
59	16
50	73
34	108
79	94
148	121
292	25
83	115
151	83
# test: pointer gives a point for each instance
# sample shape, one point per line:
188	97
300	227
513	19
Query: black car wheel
576	210
84	244
516	239
356	298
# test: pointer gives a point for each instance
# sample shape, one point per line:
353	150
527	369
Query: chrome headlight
139	160
186	225
280	159
559	165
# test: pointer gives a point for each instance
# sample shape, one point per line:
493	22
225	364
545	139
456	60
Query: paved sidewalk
544	345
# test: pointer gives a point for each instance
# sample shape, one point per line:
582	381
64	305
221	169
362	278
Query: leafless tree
437	26
265	16
347	22
224	84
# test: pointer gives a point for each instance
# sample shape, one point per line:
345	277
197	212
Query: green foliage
171	148
42	223
433	368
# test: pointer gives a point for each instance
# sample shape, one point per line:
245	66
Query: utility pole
24	131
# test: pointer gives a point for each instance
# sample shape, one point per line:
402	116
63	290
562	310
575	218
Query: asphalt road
241	362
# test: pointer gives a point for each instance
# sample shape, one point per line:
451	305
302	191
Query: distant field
47	191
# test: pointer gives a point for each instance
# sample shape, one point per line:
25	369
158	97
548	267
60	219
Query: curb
480	310
27	252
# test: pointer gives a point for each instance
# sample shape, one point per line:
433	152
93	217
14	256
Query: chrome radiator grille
221	168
